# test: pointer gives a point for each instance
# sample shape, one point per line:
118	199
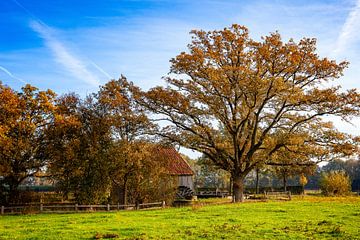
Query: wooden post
2	210
76	207
163	204
108	207
118	206
41	207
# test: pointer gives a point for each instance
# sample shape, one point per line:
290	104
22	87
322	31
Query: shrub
335	184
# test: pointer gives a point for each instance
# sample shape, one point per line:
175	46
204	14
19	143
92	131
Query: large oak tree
239	101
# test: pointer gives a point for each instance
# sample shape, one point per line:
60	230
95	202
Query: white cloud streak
11	75
349	32
73	64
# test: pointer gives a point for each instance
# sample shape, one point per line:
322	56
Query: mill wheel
184	193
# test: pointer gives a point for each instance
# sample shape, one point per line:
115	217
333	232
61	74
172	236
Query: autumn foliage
244	104
240	102
24	119
335	184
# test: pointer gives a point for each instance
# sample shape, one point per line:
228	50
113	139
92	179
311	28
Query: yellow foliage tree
335	183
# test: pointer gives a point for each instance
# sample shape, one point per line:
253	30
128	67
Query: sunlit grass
302	218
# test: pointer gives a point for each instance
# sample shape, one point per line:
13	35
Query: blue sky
76	45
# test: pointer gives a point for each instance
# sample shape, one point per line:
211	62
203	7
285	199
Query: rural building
175	166
178	166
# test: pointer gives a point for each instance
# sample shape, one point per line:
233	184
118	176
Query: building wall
186	180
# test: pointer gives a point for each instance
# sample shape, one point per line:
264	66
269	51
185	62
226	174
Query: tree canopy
240	101
99	146
24	119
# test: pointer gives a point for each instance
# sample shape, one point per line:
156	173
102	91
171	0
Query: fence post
118	206
76	207
163	204
108	207
41	207
2	210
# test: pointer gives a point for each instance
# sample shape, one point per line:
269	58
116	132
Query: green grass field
308	218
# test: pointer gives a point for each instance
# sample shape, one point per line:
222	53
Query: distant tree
208	175
314	179
336	165
24	119
351	167
335	183
238	101
292	162
303	181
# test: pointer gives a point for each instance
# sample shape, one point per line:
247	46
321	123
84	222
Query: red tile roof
177	164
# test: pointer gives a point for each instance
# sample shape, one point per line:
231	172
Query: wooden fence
63	208
281	195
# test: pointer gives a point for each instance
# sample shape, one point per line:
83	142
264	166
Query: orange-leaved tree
80	149
137	173
238	101
24	119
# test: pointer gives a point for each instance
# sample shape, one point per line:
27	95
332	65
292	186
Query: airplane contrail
63	55
11	75
72	63
101	70
28	12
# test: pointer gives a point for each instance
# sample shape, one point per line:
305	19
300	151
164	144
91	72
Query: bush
335	184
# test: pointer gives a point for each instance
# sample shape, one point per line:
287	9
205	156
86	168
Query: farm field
301	218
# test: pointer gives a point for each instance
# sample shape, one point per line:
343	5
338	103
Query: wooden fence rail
61	208
278	195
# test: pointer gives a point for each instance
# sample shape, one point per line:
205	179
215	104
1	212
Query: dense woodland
246	105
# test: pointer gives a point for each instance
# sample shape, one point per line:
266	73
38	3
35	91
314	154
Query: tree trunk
238	187
13	192
137	204
285	181
257	181
231	186
125	192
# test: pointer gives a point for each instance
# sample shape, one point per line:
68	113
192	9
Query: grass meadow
300	218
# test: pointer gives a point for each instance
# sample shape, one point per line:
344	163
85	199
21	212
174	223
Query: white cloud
349	32
72	63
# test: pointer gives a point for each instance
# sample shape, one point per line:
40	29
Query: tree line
244	104
89	147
